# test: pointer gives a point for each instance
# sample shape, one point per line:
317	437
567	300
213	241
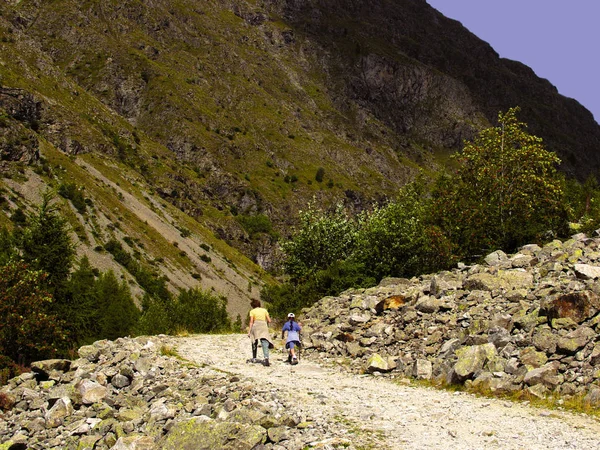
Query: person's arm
250	325
268	317
283	330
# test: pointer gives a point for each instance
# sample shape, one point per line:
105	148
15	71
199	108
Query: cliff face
424	74
227	110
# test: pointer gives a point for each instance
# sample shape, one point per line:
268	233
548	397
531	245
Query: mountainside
193	123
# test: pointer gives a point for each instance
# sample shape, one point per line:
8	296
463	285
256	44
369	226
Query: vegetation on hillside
505	192
49	308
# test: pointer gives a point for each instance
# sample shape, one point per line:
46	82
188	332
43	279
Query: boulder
586	271
575	340
578	306
422	369
472	359
207	434
545	375
376	363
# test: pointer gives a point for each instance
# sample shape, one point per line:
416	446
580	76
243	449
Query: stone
120	381
428	304
586	271
49	365
578	306
376	363
422	369
207	434
91	392
592	398
545	375
278	434
472	359
359	319
62	409
496	258
530	357
135	442
575	340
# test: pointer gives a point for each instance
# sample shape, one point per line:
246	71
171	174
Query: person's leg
292	351
265	348
254	348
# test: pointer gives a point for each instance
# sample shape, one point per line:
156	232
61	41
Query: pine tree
45	244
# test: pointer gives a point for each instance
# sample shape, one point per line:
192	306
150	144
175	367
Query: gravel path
377	413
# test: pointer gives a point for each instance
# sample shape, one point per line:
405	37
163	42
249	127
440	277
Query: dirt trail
383	414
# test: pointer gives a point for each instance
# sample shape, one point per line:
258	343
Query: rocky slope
227	110
524	322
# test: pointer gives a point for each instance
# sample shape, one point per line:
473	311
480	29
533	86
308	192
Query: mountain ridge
227	111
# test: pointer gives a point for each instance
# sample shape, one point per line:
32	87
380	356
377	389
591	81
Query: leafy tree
583	201
506	191
322	239
29	332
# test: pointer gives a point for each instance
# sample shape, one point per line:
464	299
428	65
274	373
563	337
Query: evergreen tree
29	330
45	244
80	305
118	314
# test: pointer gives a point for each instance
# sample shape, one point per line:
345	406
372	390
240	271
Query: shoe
266	362
289	359
294	361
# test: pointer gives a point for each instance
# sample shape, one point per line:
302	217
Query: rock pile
527	321
129	395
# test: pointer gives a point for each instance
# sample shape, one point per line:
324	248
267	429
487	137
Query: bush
320	174
194	311
340	276
259	223
71	192
199	311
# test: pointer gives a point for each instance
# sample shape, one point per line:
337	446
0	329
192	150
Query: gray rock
422	369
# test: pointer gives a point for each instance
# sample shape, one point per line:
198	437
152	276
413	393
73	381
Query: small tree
505	193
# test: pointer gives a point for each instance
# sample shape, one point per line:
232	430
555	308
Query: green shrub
71	192
253	225
320	174
321	239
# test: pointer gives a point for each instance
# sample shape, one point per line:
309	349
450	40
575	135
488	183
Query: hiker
258	330
293	337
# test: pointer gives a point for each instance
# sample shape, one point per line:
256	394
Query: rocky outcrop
128	394
527	321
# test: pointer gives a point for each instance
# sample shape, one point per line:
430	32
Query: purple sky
558	39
